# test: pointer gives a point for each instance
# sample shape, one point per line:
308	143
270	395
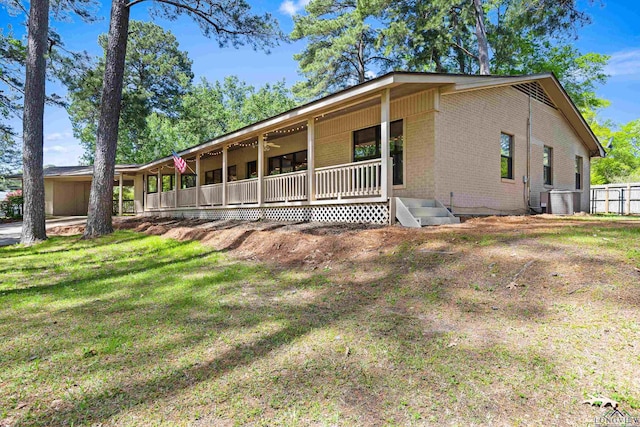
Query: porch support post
120	195
224	176
311	159
145	178
260	169
384	145
197	180
159	188
175	188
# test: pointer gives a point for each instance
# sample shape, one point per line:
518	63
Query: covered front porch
292	165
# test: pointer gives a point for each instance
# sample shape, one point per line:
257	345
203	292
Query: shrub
12	205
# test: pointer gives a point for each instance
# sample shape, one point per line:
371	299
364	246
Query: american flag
181	165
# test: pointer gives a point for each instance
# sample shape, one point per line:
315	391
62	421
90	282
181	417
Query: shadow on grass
218	298
300	320
77	244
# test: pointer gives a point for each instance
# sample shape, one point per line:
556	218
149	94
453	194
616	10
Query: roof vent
536	91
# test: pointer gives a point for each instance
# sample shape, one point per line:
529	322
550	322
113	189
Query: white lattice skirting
367	213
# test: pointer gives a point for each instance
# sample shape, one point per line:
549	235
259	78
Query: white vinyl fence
621	199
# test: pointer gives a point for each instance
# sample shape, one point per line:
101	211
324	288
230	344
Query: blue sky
615	30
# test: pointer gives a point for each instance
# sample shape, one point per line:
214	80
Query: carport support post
606	199
260	169
224	175
311	159
197	180
384	144
120	195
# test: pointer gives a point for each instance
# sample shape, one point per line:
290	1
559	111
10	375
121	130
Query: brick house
422	148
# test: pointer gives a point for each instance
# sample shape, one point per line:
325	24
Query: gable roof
554	90
69	171
449	83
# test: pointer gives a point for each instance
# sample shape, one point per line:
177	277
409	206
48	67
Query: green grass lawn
132	329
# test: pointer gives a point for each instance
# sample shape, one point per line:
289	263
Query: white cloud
57	136
370	75
55	149
624	63
291	7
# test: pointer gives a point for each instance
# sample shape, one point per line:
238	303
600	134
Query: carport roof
60	171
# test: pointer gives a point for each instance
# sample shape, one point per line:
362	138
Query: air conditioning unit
561	202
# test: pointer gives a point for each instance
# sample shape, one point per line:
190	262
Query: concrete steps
422	212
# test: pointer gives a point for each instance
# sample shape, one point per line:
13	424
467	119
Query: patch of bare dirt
314	244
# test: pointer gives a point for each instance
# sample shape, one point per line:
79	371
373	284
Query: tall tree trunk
33	226
101	198
460	55
437	59
481	34
362	77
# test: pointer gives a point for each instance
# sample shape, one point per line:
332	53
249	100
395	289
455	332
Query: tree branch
464	50
134	2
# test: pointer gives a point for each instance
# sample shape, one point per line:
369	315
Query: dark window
252	169
187	180
578	173
286	163
213	177
506	156
168	182
152	183
547	162
396	148
231	173
366	146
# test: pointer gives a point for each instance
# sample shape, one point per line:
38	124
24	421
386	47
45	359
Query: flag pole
185	162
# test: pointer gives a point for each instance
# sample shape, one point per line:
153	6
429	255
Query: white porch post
311	159
176	184
260	169
384	144
224	176
145	178
197	180
159	187
120	195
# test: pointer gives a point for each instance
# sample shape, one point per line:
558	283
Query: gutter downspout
529	156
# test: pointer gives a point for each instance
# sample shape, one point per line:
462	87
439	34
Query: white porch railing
152	201
187	197
211	194
286	187
168	199
358	179
245	191
346	181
